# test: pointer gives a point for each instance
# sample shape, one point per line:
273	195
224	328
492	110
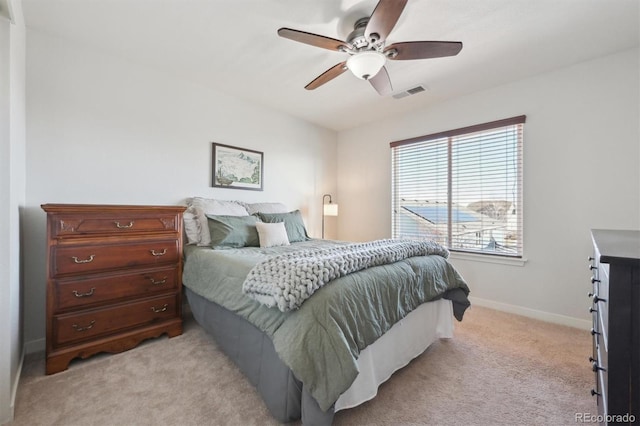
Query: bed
332	348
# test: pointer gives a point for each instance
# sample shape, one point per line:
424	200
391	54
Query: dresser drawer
75	327
82	292
82	259
603	355
124	223
603	306
602	379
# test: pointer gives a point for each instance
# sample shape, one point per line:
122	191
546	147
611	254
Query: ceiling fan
367	50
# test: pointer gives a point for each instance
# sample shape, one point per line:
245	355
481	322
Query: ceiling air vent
409	92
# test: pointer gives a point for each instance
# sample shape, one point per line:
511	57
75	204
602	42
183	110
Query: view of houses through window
462	188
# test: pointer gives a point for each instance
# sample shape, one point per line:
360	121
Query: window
461	188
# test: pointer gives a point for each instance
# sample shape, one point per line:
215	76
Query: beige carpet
498	369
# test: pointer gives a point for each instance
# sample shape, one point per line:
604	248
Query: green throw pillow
233	231
293	223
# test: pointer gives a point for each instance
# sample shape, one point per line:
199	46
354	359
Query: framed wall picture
236	168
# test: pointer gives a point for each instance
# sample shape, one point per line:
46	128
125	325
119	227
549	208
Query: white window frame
450	138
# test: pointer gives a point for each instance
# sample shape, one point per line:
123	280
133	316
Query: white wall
12	194
581	171
102	130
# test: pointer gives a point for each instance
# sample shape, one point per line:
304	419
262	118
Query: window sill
487	258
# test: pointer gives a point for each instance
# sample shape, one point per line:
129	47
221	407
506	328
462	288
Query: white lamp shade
366	65
331	210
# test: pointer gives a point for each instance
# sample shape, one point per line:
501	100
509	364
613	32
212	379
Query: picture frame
233	167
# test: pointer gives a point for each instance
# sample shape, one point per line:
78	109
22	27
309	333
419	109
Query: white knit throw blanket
287	280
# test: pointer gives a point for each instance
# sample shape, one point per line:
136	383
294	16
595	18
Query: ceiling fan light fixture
366	65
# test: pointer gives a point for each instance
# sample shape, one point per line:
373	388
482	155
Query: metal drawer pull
154	282
156	310
78	328
130	225
90	293
90	259
164	251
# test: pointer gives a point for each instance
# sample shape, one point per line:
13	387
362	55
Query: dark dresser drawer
603	304
82	259
105	220
88	291
84	325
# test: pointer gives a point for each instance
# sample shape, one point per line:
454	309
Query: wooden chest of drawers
113	278
616	324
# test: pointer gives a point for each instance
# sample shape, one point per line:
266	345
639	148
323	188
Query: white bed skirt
406	340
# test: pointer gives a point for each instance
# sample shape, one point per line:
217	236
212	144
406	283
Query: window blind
462	188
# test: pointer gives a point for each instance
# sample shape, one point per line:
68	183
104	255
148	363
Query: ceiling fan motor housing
357	38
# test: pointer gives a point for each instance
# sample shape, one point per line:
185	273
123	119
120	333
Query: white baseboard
533	313
35	346
7	414
14	388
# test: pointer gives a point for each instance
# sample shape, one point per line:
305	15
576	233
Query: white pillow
191	226
204	206
272	234
254	208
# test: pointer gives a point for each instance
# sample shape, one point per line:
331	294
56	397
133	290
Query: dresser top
616	246
101	208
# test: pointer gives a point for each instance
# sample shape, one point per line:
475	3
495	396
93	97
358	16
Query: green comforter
321	341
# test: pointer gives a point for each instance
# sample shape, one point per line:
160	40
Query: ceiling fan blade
381	82
422	49
313	39
383	19
327	76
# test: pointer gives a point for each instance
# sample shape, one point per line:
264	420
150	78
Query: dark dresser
113	278
615	361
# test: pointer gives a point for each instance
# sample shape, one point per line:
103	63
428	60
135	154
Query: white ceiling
232	45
